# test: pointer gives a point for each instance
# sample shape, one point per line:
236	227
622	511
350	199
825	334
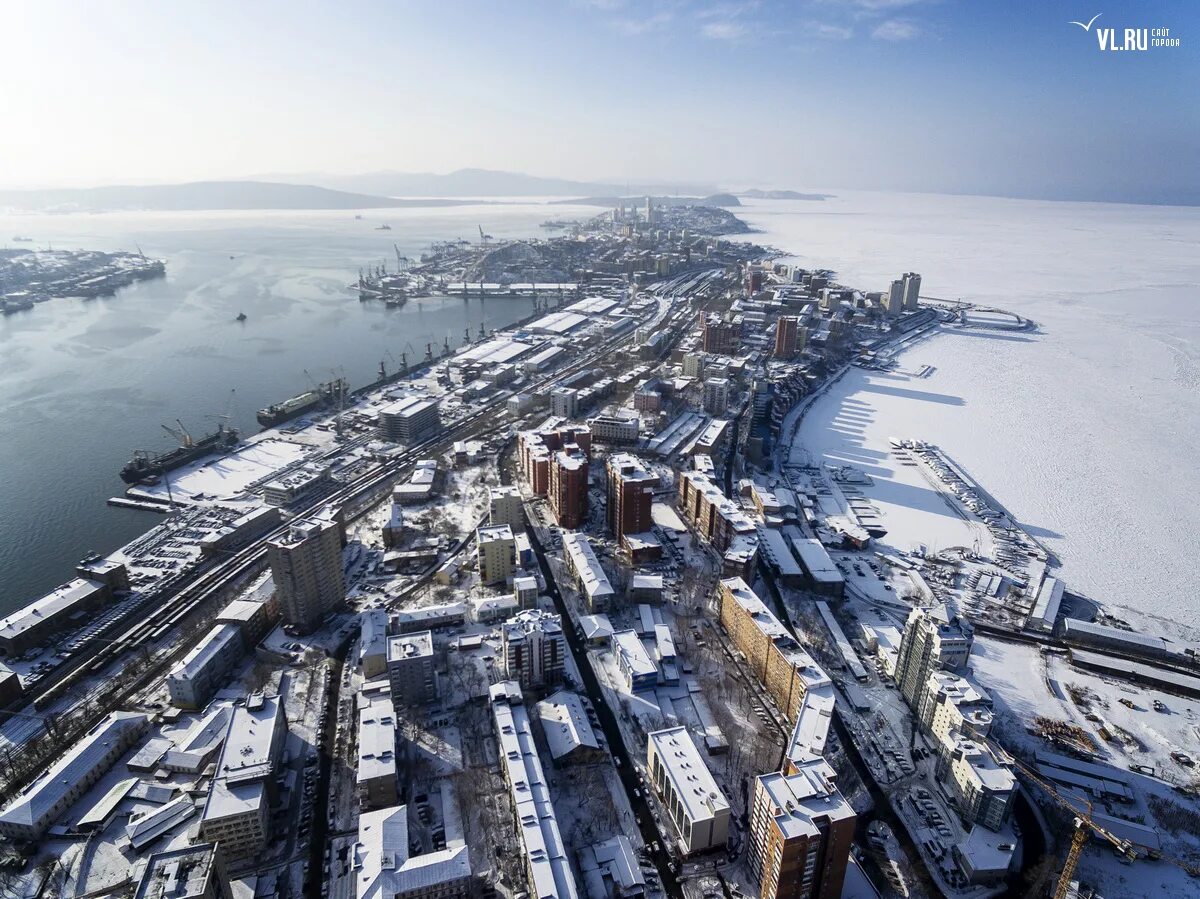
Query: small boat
241	316
384	227
22	240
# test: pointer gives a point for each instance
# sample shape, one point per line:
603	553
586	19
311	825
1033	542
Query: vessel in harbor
326	393
144	466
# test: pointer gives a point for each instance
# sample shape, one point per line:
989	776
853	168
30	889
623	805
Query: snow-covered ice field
1085	429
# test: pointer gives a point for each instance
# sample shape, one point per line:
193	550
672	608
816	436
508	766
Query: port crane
180	433
484	238
1085	826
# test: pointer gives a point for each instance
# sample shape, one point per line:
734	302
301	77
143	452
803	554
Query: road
626	769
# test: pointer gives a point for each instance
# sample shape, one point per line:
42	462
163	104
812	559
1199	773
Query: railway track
163	611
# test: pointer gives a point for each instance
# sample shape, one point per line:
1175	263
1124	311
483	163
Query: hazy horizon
896	95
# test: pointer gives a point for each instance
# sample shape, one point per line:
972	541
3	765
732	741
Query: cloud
644	25
827	31
723	31
895	30
876	6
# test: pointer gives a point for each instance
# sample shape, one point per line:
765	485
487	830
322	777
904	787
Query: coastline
818	432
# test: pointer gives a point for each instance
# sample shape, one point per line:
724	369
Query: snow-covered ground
1025	684
1094	412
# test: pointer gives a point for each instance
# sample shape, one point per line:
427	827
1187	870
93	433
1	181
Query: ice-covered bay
1086	429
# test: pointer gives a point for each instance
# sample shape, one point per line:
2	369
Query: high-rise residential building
801	830
568	493
785	336
693	365
306	565
630	495
934	639
505	507
716	396
564	402
496	548
912	291
536	448
408	420
534	648
719	336
895	298
410	667
958	715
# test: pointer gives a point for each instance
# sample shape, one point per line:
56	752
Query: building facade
306	565
534	648
497	552
934	639
410	668
801	831
630	495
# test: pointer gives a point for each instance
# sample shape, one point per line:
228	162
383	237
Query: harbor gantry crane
484	238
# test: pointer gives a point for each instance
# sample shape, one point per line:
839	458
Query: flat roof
803	801
776	550
816	560
410	646
632	652
60	601
492	532
376	738
496	351
183	873
247	759
547	862
558	322
693	783
592	306
408	406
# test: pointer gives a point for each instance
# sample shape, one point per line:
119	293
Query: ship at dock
328	393
145	467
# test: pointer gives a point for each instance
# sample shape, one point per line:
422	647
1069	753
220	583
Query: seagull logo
1088	26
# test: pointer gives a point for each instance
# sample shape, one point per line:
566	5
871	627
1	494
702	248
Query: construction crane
1084	828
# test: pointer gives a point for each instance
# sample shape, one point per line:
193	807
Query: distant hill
203	195
479	183
720	200
781	195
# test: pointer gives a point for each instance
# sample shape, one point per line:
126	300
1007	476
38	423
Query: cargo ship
143	466
277	413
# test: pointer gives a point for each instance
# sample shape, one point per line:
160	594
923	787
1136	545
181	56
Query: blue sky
1002	98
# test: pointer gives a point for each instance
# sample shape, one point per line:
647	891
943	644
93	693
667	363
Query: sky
961	96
